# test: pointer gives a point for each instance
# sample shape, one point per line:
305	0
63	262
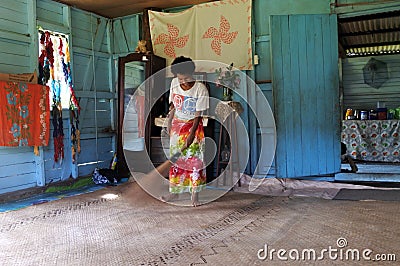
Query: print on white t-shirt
187	102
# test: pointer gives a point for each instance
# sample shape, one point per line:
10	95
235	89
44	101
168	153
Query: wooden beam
146	28
394	14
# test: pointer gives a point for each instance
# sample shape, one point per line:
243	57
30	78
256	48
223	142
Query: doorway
369	83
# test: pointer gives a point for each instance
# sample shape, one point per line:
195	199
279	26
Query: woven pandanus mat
124	226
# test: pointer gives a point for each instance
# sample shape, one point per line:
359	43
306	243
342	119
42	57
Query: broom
154	182
163	169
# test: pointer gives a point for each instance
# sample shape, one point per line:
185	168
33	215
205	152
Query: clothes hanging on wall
55	70
24	114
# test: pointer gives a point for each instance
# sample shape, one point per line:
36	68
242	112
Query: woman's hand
170	116
189	141
192	132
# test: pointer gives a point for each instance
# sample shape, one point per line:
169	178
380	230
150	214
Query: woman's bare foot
169	197
195	199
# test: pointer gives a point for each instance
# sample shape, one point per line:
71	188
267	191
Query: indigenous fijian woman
188	100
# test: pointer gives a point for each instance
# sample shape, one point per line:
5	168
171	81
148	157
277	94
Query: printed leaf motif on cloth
220	35
171	40
218	31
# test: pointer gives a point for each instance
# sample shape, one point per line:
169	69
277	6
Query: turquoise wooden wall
96	43
347	8
262	12
94	75
92	68
127	31
18	165
92	42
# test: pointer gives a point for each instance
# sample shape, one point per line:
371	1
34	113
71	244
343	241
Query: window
55	69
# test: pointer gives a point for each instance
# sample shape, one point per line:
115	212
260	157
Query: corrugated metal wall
359	95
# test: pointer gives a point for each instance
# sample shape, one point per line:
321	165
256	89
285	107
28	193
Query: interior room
369	47
189	132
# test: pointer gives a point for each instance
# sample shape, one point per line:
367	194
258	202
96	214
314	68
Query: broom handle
163	168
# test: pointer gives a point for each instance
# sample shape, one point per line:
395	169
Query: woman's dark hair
182	65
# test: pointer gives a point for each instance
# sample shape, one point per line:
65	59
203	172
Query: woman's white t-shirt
188	102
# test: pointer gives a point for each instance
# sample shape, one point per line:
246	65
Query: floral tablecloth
372	140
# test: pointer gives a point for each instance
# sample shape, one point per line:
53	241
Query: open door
305	78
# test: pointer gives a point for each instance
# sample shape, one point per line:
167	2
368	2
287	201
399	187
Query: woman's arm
192	132
170	116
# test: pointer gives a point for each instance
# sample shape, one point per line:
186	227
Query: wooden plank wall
262	75
127	34
96	43
94	75
95	81
51	16
359	95
17	165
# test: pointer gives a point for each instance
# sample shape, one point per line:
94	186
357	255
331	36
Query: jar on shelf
349	114
373	115
364	115
382	113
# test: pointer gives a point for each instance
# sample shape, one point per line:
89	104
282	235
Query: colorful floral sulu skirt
188	173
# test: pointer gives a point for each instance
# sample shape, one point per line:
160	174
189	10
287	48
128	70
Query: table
372	140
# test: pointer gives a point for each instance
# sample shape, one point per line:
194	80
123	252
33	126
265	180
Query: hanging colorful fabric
24	114
58	133
74	103
46	58
46	73
75	135
55	70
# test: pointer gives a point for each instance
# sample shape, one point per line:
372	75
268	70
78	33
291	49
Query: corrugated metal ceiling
370	34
